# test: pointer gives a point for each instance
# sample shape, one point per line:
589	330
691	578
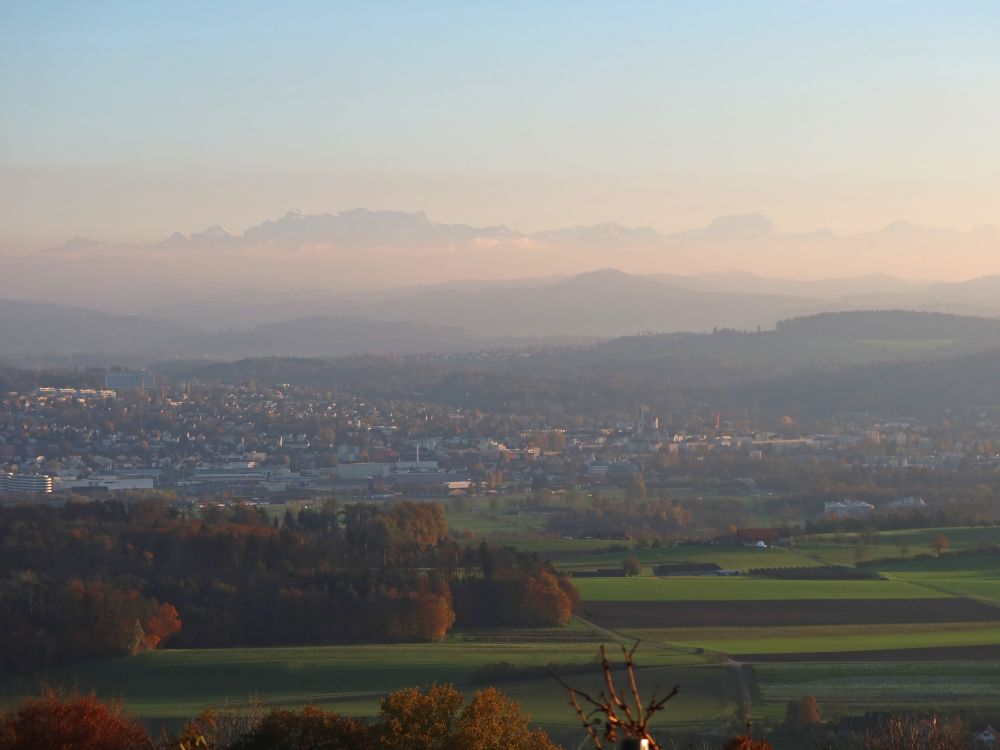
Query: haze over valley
364	251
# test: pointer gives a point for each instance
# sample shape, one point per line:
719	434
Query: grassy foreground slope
174	684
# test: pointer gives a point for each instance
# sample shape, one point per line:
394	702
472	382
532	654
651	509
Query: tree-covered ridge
891	324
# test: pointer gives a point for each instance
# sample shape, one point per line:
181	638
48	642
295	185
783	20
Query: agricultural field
735	558
744	589
784	612
859	686
752	643
887	643
168	686
848	549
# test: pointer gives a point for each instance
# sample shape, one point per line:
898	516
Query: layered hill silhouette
567	324
36	333
365	252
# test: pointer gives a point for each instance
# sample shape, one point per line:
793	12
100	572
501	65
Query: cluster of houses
210	439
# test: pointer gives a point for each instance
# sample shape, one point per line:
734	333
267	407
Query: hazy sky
130	120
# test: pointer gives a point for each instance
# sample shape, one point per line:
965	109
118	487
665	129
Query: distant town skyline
128	122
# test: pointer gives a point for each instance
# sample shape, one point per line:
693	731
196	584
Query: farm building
767	537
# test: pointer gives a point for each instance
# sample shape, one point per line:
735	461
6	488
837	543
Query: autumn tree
437	719
546	600
77	722
940	543
162	623
803	713
415	718
492	721
632	566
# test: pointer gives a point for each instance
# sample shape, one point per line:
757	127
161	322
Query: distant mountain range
361	281
362	251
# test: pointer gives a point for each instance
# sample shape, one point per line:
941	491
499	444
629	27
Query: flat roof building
26	483
128	380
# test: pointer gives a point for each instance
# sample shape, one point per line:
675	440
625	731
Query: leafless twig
614	712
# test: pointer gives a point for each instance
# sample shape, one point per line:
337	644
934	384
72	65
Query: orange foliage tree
77	722
435	719
415	718
546	599
492	721
161	624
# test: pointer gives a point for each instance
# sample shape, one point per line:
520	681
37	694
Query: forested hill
892	325
897	362
890	388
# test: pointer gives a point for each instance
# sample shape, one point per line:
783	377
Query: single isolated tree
805	712
632	566
940	543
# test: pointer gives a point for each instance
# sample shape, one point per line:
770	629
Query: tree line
437	717
87	580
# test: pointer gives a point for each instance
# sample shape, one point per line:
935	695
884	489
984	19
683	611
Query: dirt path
746	699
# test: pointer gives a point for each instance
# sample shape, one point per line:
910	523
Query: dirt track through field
679	614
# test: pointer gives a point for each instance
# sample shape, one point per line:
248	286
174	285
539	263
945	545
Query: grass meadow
171	685
902	685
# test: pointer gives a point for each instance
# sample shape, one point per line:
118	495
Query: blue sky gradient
132	119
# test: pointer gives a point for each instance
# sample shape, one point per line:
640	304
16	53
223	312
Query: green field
833	638
485	523
842	548
884	685
740	588
851	686
174	684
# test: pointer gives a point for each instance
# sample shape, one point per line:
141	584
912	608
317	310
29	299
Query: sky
128	121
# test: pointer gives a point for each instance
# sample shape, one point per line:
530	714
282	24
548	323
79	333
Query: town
271	443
